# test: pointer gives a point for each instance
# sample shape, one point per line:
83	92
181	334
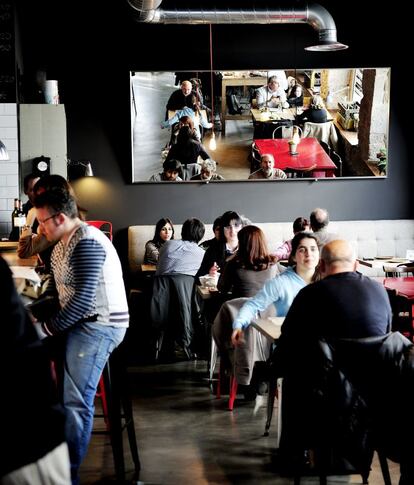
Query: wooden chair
299	172
337	161
255	158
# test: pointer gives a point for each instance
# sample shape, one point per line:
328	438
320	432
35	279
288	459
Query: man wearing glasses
93	311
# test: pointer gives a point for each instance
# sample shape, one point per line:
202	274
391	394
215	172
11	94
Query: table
380	262
236	81
269	327
310	153
265	122
403	287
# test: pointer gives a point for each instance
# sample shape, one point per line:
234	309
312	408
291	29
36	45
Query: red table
310	153
405	288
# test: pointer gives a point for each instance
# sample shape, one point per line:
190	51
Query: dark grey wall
90	47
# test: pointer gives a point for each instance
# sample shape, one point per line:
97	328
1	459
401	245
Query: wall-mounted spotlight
78	170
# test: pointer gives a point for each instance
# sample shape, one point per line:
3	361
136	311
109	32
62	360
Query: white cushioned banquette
369	238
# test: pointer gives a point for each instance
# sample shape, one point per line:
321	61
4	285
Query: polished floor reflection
187	436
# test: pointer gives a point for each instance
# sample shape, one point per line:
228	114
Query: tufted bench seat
369	238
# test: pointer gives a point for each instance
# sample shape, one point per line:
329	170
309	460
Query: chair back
337	160
326	147
322	131
104	226
299	172
255	158
282	131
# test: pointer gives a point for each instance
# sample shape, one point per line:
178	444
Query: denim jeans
87	350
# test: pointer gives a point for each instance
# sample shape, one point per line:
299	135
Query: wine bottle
18	220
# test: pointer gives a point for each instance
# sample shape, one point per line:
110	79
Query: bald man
344	303
183	97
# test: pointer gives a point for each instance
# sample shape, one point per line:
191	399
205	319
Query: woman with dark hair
187	150
246	271
281	291
295	97
164	231
225	246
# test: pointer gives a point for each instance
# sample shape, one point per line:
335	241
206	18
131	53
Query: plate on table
384	257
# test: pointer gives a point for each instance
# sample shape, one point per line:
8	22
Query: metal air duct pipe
313	14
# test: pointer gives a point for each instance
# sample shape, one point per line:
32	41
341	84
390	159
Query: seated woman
295	97
187	151
208	171
316	113
281	291
196	115
227	244
300	224
184	121
164	231
250	267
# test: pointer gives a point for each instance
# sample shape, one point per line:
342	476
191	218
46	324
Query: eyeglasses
47	219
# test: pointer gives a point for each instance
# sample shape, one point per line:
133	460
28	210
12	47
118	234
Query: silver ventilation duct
313	14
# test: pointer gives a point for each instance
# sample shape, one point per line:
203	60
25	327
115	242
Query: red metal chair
104	226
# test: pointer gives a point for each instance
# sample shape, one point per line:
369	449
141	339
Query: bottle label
19	221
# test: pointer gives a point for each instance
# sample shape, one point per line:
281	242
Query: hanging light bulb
213	144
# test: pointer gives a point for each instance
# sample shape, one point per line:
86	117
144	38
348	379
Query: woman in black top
295	97
316	113
187	151
225	246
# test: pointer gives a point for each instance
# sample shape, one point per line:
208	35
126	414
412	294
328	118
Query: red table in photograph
310	153
404	287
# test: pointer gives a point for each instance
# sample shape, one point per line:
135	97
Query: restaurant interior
109	64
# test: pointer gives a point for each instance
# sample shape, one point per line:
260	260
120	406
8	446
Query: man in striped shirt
93	311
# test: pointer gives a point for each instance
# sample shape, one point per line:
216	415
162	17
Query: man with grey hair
319	220
272	95
208	171
267	171
344	304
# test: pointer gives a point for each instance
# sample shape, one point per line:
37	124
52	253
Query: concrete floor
187	436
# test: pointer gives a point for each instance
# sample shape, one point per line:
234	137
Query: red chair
104	226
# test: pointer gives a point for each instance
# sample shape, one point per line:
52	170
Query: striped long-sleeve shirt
88	278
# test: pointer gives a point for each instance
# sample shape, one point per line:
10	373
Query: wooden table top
382	261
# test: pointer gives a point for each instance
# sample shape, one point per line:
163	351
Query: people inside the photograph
316	113
267	170
295	97
187	150
185	96
272	95
208	171
300	224
164	231
171	169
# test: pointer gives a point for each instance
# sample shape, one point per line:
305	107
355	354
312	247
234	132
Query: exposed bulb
213	145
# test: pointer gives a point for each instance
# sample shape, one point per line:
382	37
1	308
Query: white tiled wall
9	170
